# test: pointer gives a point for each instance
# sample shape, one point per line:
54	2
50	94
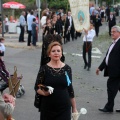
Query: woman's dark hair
1	38
51	38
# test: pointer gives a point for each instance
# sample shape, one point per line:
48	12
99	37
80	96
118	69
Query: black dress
56	106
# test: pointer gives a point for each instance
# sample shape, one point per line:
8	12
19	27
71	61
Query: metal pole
113	3
96	3
2	18
39	18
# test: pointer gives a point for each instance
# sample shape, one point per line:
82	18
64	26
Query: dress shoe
118	110
88	69
85	66
105	110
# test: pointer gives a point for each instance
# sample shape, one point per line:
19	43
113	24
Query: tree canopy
55	4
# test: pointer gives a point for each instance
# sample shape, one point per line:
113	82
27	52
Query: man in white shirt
87	46
29	23
22	25
6	23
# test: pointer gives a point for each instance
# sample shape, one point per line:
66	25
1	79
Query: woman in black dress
56	106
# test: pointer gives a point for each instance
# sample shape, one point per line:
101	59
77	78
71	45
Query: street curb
22	45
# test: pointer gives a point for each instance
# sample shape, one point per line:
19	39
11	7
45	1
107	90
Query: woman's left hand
74	110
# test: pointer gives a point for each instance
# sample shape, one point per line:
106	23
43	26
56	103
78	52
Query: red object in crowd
13	5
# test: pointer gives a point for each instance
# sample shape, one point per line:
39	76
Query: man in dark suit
71	27
111	21
111	66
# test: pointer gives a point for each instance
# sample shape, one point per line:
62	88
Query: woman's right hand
46	93
43	92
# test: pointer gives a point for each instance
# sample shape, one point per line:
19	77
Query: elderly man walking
111	66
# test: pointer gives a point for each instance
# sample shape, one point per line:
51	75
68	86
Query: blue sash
68	79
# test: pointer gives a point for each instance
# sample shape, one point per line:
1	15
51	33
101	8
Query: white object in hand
83	111
50	89
9	108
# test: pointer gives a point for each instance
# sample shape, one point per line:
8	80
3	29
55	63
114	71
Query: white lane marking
94	51
80	55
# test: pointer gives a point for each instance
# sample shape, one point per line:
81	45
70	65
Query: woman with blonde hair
58	98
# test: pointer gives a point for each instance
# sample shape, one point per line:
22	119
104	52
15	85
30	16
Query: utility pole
113	3
1	2
96	3
38	4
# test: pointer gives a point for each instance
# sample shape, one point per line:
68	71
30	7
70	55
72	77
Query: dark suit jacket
111	22
113	68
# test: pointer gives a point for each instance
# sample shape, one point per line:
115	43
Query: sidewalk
11	40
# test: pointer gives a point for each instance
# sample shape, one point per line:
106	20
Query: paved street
90	90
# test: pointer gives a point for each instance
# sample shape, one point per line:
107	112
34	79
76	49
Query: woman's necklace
57	69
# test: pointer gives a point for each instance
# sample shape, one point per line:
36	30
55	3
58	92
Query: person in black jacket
58	25
97	23
111	67
65	27
111	21
71	27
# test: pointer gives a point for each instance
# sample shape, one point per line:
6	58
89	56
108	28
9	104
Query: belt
87	41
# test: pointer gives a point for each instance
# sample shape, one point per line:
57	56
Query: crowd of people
54	80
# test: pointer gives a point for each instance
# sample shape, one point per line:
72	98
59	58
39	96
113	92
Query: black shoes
88	69
85	66
105	110
118	110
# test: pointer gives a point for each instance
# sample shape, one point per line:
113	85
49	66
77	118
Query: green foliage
109	2
57	4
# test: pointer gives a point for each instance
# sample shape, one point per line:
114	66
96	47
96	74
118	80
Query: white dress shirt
6	21
110	49
89	37
43	20
30	21
22	20
2	47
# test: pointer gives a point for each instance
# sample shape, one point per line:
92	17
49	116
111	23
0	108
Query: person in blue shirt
34	32
22	25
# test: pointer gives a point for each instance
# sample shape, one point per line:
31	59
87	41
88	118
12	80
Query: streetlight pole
96	3
2	17
113	3
38	4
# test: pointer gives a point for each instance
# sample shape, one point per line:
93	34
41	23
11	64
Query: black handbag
37	101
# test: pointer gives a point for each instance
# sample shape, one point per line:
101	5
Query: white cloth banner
80	14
